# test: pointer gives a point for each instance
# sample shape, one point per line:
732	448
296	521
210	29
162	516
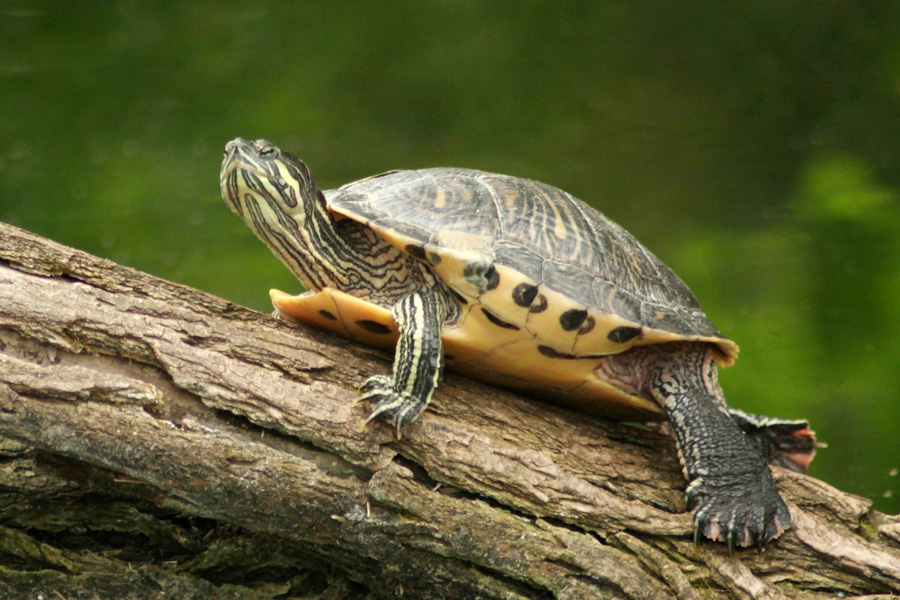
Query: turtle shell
547	285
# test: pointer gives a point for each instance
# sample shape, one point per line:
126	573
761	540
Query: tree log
156	441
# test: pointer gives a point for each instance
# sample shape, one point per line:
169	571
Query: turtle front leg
418	361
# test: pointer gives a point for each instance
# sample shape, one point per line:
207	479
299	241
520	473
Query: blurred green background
755	147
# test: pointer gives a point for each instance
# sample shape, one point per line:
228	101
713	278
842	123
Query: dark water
755	147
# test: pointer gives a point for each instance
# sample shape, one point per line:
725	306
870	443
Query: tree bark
156	441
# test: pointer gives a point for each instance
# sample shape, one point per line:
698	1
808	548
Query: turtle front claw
397	407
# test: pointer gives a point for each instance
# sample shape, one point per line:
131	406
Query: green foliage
752	146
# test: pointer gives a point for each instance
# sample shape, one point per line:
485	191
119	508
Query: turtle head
275	195
257	177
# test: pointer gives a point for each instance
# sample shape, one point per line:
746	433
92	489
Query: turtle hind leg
418	361
730	487
784	443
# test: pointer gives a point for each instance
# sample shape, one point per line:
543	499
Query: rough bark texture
158	442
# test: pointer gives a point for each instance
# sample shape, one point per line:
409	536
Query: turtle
520	284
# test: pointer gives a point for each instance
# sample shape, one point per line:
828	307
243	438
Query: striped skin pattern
517	283
291	220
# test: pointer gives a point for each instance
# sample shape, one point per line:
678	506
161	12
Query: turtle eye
266	149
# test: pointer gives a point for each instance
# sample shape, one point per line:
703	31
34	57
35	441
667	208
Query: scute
572	260
519	257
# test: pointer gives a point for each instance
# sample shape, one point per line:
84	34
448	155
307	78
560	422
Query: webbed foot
790	444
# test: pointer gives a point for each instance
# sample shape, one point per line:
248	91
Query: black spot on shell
539	305
524	293
472	272
623	334
572	319
551	353
373	326
482	275
493	278
497	321
327	315
415	251
588	326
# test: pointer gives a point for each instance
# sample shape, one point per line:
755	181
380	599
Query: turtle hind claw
740	522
